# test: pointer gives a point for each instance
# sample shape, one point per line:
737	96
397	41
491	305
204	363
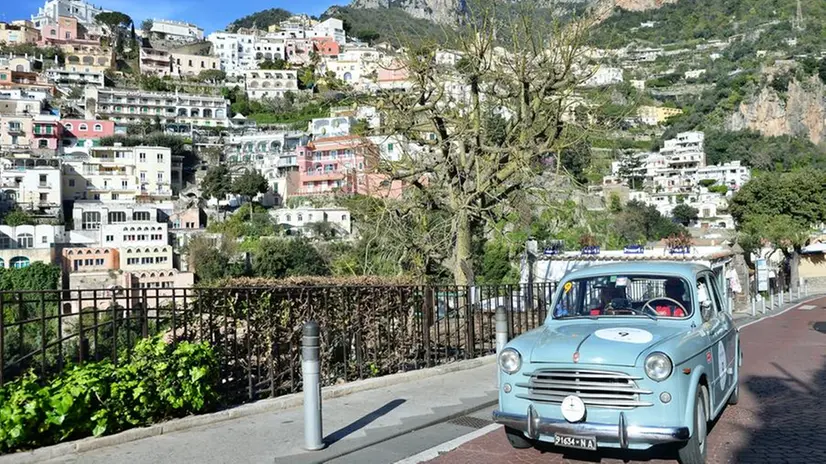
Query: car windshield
653	296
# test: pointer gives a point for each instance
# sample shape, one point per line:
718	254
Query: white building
301	27
132	106
331	127
236	51
32	184
300	218
265	83
602	76
177	30
733	175
394	148
22	245
118	173
117	224
75	75
270	48
331	27
84	12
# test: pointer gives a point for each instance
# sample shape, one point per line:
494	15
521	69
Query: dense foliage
160	381
37	276
18	217
392	25
705	19
260	20
780	153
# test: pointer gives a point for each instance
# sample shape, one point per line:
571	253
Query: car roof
686	270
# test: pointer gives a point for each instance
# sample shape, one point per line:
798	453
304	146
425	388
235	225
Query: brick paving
781	417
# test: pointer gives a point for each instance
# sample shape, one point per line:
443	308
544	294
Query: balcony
15	130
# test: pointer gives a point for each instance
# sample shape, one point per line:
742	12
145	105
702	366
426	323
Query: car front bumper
533	426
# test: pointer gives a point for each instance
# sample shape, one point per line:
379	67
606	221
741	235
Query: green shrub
159	382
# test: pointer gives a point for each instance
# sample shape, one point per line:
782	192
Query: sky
211	15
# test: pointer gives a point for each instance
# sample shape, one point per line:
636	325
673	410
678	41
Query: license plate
569	441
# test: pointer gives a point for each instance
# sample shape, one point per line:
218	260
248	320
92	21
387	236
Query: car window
706	296
624	295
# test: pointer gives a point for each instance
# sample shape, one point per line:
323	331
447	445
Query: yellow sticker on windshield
568	287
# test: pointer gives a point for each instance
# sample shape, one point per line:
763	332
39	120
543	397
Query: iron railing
256	331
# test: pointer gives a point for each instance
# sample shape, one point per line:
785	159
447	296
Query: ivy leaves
159	382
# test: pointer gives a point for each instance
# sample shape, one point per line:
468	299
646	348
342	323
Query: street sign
762	275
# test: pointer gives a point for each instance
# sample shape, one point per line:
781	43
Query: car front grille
614	390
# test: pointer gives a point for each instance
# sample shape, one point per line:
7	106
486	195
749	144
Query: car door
717	325
729	340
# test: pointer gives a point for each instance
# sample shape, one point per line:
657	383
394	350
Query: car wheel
517	439
694	450
735	395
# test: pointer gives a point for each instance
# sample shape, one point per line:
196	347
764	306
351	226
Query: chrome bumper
534	426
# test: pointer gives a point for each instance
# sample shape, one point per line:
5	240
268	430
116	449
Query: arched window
288	218
25	241
105	252
83	127
19	262
98	128
68	126
70	253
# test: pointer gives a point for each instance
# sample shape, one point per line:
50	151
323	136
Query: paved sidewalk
351	423
779	418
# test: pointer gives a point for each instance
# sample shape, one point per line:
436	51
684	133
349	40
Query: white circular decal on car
573	408
625	334
721	364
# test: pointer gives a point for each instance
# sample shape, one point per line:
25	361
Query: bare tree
489	116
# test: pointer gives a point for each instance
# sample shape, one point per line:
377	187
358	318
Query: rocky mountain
641	5
800	111
439	11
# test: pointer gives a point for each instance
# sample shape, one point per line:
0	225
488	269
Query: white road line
434	452
782	312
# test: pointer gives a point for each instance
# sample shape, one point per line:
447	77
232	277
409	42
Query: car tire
694	451
735	395
517	439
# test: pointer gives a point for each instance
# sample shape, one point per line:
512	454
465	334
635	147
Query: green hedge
159	382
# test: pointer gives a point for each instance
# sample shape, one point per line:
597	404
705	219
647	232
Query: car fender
694	384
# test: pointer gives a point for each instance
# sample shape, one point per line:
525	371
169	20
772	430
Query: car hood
618	343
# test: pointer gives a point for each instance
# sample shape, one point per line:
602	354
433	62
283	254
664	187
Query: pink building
326	46
297	51
344	165
85	133
393	76
46	132
65	31
90	259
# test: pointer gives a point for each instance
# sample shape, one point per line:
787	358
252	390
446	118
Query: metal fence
256	331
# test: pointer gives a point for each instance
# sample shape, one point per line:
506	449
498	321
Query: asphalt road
781	417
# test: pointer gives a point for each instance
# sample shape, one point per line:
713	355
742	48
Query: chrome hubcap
701	426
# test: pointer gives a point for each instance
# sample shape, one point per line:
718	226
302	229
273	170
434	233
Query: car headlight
658	366
510	360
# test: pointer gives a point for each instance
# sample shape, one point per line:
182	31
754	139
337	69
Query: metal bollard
310	370
771	299
753	304
501	318
763	302
781	300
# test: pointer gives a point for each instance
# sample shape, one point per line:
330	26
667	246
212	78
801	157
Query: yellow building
88	58
655	115
18	32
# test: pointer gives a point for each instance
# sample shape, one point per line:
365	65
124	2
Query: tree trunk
462	250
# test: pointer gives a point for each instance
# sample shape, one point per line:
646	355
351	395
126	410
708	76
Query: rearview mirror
705	309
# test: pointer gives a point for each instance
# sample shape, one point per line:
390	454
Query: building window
90	221
5	242
43	143
71	182
99	262
142	156
141	216
131	260
25	241
110	238
98	128
19	262
143	176
160	177
160	157
117	216
68	126
83	127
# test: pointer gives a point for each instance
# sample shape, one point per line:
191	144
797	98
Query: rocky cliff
439	11
801	111
641	5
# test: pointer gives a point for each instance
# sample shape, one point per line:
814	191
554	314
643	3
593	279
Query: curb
262	406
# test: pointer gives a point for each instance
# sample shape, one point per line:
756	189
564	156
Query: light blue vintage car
632	355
